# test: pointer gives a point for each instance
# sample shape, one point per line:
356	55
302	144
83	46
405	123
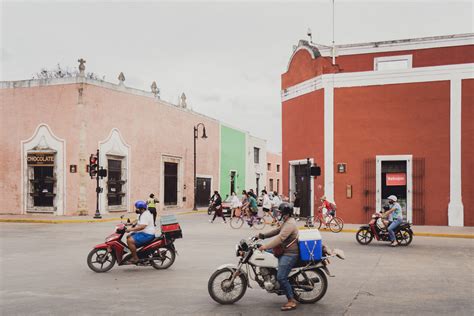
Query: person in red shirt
329	206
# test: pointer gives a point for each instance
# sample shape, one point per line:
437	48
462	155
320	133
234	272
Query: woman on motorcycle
286	237
395	212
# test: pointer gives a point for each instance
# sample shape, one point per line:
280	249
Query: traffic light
93	166
315	171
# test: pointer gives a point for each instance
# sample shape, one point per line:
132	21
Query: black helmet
286	209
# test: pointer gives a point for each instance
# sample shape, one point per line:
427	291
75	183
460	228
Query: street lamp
196	129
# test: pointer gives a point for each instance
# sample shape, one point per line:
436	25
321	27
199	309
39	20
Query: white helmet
393	198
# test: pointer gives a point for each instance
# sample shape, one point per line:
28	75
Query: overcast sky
227	56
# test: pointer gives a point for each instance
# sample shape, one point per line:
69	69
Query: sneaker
393	244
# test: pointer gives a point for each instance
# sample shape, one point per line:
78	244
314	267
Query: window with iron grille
278	168
269	166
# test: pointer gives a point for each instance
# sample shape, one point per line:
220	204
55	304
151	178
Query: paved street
44	272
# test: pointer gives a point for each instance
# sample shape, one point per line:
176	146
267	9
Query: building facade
383	118
256	163
274	172
50	128
232	170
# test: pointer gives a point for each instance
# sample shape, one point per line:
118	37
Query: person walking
151	204
217	204
276	201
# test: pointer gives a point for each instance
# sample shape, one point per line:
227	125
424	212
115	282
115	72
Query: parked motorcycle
229	282
376	229
160	253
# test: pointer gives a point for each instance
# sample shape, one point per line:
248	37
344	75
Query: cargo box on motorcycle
310	244
170	227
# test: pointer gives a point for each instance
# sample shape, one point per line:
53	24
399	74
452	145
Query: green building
232	157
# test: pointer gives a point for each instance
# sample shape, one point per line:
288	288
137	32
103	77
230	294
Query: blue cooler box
311	246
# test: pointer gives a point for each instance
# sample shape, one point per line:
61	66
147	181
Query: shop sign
42	159
396	179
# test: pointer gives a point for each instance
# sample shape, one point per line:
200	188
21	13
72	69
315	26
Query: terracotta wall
467	147
393	120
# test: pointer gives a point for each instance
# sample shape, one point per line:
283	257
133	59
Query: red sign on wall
396	179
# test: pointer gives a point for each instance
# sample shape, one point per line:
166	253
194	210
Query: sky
226	56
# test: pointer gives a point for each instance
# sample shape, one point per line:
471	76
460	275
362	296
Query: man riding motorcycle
395	213
143	232
286	237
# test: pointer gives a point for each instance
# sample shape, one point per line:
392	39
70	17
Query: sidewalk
426	231
51	219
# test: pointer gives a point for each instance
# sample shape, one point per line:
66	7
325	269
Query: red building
392	117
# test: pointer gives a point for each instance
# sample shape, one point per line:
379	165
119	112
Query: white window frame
408	58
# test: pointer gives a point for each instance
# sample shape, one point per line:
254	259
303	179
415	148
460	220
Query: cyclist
330	208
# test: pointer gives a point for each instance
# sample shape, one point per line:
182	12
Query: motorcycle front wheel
364	236
100	260
222	290
310	286
163	258
404	237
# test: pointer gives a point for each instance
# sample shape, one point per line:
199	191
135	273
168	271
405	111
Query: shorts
266	210
141	238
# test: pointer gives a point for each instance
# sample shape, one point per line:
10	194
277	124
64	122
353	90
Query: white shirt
276	201
235	202
267	203
146	218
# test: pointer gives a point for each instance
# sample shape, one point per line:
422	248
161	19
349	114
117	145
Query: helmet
393	198
286	209
140	205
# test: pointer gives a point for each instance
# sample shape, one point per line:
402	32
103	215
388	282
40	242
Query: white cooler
311	245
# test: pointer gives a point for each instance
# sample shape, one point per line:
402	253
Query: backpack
333	206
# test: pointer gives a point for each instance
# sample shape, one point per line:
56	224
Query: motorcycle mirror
339	253
128	220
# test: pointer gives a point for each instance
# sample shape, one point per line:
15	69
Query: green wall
232	158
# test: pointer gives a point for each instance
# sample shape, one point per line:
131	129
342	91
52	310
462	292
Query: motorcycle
376	229
160	252
229	282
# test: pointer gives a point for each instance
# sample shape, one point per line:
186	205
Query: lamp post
196	135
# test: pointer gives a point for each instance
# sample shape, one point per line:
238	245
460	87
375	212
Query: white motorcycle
229	282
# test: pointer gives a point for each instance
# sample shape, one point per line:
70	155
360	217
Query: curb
442	235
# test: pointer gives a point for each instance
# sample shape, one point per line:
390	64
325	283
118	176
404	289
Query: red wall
467	148
421	58
303	133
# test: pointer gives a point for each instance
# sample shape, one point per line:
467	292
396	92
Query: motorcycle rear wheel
222	291
165	258
404	237
364	236
236	222
315	278
97	258
336	224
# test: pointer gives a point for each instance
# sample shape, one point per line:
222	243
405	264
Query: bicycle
334	223
254	221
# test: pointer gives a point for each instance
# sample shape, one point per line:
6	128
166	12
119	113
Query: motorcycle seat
153	240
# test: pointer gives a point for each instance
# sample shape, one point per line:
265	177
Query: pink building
50	128
274	172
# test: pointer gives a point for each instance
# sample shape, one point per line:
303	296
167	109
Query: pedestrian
276	201
267	205
217	204
151	204
297	204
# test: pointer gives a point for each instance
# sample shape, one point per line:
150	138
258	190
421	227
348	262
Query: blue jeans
392	227
285	264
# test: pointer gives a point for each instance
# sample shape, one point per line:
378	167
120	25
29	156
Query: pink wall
150	127
274	160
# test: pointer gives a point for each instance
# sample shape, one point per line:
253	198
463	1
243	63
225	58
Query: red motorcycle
376	229
160	253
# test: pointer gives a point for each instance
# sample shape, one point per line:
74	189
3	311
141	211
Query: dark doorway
171	183
394	182
114	182
303	187
43	184
232	182
203	192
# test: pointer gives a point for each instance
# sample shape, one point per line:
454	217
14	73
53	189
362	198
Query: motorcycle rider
143	232
395	213
286	237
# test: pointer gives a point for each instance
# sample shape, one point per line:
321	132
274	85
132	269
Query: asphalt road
44	272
